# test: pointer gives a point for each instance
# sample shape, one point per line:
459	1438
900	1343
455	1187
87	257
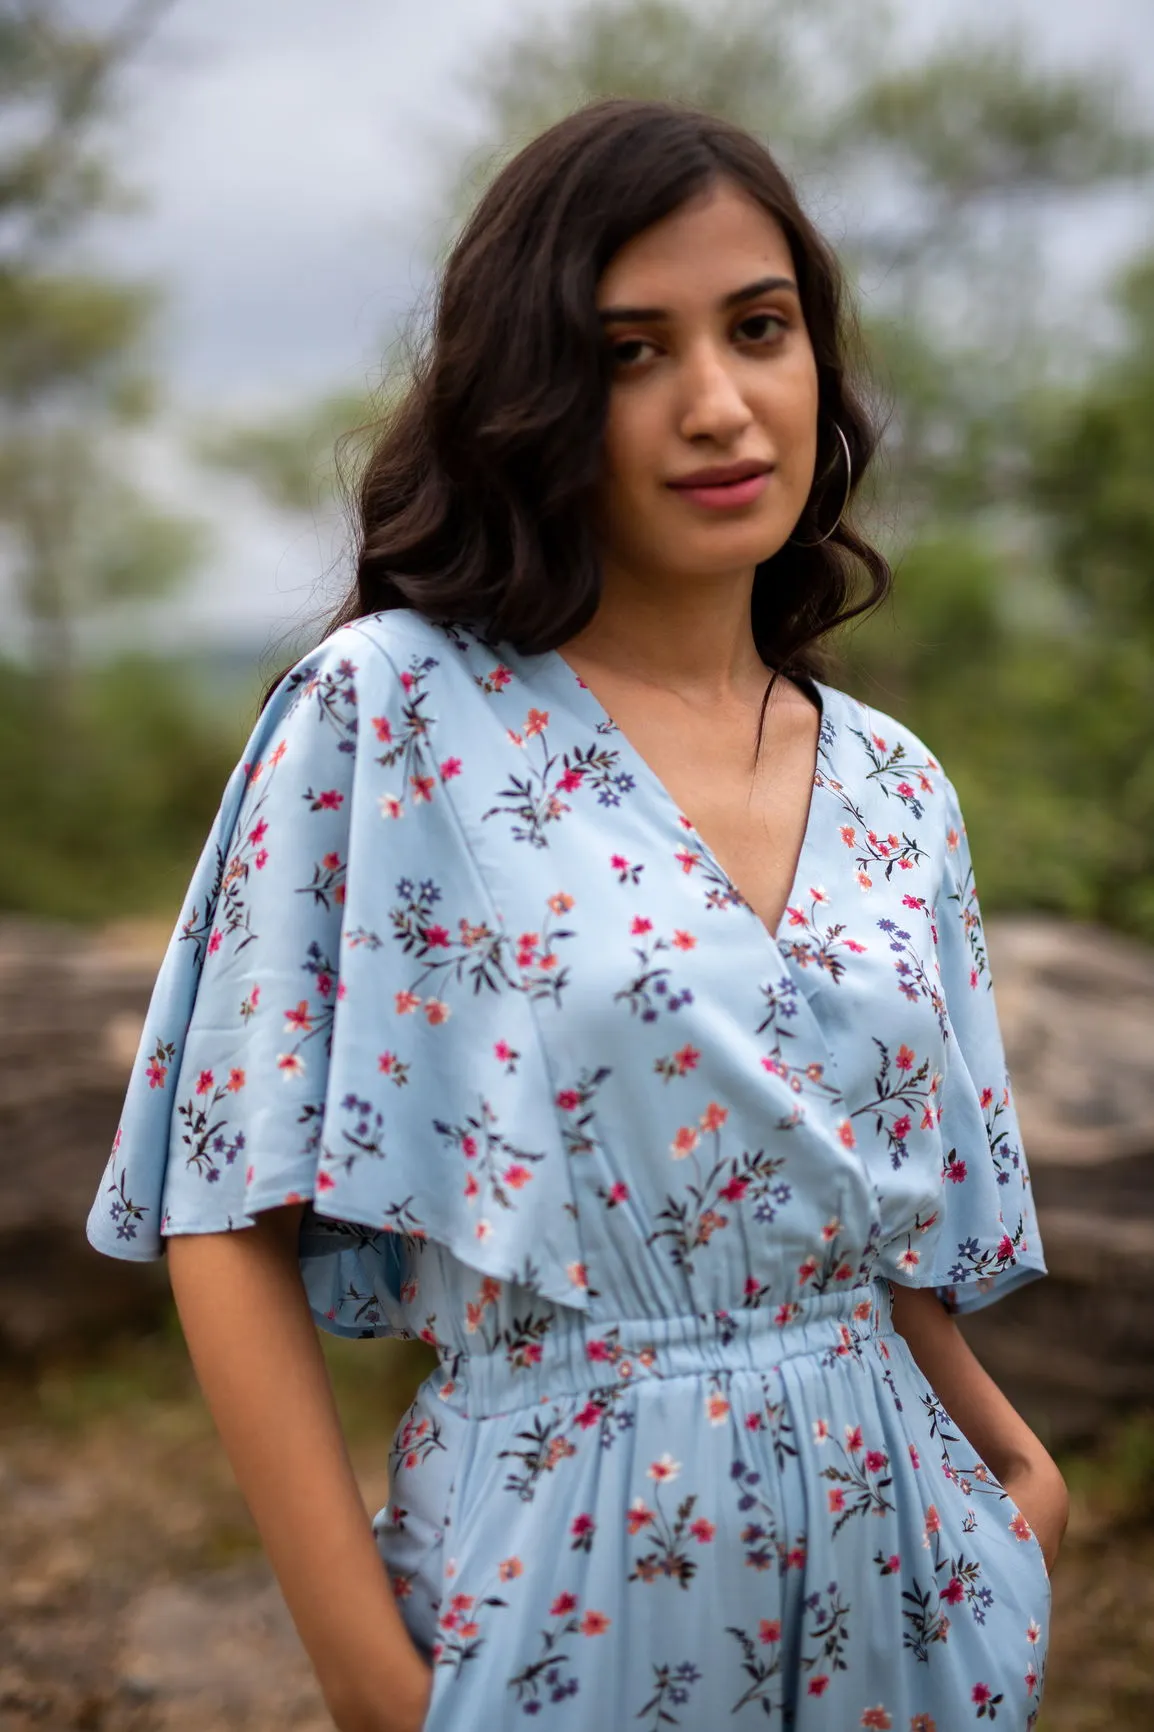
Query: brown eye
624	354
777	326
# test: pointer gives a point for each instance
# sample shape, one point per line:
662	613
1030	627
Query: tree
78	534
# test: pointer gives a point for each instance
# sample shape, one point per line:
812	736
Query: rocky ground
133	1597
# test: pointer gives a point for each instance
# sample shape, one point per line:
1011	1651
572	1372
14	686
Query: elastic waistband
580	1354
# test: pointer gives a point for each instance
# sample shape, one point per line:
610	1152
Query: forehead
715	242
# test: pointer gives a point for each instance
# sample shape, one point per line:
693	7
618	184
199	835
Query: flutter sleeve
984	1240
321	1027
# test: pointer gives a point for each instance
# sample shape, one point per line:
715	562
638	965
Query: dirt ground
134	1597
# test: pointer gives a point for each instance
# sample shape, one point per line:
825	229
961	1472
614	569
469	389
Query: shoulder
883	762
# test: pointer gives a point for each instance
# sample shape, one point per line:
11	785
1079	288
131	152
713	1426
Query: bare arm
268	1390
993	1425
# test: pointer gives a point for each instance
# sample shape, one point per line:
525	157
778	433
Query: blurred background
220	227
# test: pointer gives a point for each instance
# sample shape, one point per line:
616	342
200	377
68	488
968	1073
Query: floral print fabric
454	971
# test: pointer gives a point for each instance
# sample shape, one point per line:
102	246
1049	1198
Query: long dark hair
474	503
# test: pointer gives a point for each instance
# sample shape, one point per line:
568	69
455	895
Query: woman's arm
268	1390
994	1427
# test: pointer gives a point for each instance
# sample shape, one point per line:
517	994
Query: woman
575	980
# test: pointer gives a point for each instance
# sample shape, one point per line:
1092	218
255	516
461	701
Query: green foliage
113	811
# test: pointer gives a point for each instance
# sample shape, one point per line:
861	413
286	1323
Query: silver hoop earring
848	484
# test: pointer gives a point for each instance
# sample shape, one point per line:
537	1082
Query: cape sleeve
322	1026
984	1239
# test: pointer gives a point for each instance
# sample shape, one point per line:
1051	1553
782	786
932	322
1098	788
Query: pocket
414	1530
995	1493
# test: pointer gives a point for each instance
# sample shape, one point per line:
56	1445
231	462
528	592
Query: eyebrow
634	315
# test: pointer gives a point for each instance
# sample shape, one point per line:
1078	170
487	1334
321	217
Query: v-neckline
664	798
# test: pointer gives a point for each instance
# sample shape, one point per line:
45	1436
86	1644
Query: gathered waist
579	1354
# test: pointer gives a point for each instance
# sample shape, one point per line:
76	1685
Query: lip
727	495
723	475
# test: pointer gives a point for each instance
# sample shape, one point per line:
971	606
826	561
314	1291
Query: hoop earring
848	485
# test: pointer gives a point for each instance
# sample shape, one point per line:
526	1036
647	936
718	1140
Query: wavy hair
474	504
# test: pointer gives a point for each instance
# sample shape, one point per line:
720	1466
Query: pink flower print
769	1630
846	1134
876	1460
714	1116
954	1591
821	1431
683	1143
893	1563
561	902
517	1175
594	1623
386	1063
450	768
204	1082
1020	1527
391	807
981	1694
406	1002
909	1259
640	926
290	1064
422	787
1033	1630
325	1181
568	1100
509	1568
588	1416
618	1193
570	780
436	937
577	1274
933	1520
836	1498
156	1074
597	1351
753	1422
853	1438
915	1458
663	1469
331	800
952	839
807	1270
686	1059
733	1191
538	721
407	681
1005	1248
902	1126
436	1012
582	1525
877	1719
382	728
703	1531
235	1079
683	940
500	676
852	944
215	941
817	1685
298	1020
795	1558
638	1515
716	1408
848	835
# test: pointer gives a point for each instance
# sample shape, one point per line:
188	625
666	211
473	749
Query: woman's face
711	367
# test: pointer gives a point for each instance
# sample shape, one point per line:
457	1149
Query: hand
1040	1492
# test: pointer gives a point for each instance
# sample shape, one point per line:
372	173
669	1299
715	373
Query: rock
1077	1010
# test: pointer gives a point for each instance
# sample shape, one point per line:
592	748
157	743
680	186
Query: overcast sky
282	148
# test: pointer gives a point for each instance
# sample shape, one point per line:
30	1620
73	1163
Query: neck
696	640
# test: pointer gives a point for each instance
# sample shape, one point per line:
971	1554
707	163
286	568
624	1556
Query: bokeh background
220	226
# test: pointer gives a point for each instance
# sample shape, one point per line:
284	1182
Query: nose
713	404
